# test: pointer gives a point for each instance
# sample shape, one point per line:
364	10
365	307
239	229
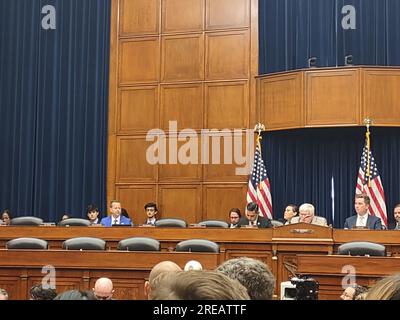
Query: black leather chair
214	224
362	248
74	222
197	245
84	243
171	223
139	244
276	223
27	243
26	221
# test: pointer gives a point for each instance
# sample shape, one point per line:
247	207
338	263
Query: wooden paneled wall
190	61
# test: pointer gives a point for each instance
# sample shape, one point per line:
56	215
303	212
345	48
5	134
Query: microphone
348	60
312	62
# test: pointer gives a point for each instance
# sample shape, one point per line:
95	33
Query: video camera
306	288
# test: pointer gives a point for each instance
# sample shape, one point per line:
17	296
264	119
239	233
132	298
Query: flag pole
367	123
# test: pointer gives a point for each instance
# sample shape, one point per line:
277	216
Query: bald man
103	289
163	266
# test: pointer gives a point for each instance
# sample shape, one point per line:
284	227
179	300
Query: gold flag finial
259	128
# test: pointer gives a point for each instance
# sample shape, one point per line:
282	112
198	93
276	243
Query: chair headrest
214	224
84	243
26	221
27	243
139	244
362	248
171	222
197	245
74	222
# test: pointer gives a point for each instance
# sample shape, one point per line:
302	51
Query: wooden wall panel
229	163
181	201
227	105
138	109
333	97
182	103
225	14
381	96
185	162
132	165
139	60
190	61
179	16
227	55
219	199
281	100
134	197
139	17
182	58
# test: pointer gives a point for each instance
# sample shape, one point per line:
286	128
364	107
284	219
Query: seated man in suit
234	218
307	215
151	212
253	218
362	219
92	213
396	214
115	217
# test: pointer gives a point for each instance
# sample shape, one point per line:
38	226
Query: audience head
396	212
197	285
291	211
151	210
352	292
65	217
252	211
38	292
234	216
193	265
385	289
361	204
92	212
103	289
6	217
158	269
306	212
253	274
115	208
3	294
75	295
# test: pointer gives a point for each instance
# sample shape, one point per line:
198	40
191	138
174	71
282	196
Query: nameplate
302	231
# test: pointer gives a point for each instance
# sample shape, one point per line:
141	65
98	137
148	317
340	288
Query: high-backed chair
27	243
84	243
139	244
197	245
214	224
171	223
362	248
26	221
276	223
74	222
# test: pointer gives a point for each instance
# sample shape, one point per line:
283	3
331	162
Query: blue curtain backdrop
53	107
302	163
291	31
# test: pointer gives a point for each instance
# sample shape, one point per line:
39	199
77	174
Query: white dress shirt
362	220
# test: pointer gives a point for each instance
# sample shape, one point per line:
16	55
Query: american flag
372	185
259	190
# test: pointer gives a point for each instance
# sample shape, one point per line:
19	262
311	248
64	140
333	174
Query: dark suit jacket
261	222
373	223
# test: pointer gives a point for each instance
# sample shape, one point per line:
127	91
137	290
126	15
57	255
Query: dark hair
252	206
358	290
236	210
6	211
363	196
294	208
124	212
76	295
91	208
150	205
37	292
396	206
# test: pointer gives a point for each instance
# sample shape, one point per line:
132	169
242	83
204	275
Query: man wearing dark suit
363	219
115	218
252	218
234	218
396	214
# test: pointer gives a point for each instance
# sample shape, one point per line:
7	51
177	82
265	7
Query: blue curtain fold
54	107
302	163
291	31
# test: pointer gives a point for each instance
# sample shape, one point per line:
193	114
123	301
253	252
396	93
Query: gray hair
252	274
307	207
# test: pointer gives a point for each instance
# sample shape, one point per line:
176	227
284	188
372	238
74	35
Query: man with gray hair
307	215
253	274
